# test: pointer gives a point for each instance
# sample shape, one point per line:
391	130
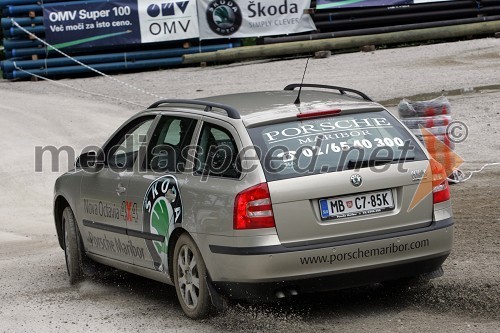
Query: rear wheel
190	275
72	247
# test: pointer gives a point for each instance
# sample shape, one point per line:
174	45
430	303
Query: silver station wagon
258	195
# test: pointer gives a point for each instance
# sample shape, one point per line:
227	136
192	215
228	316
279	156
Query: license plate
356	205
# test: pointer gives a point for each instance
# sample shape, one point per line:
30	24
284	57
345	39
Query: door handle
120	189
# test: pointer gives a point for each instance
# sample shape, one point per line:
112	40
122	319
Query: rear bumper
268	290
259	271
280	249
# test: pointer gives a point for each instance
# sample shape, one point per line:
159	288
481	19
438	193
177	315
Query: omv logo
167	8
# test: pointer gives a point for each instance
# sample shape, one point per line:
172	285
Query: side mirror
89	161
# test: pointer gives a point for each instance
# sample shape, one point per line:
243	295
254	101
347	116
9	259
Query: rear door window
217	153
330	144
167	151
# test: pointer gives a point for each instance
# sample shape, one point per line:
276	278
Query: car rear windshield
320	145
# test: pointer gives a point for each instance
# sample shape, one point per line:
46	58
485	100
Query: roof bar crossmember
231	112
342	90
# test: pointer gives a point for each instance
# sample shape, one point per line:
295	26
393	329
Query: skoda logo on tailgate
356	180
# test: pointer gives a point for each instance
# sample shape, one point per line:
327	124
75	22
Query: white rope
460	175
84	65
77	89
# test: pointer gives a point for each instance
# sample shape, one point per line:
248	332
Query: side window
217	153
167	151
124	148
173	135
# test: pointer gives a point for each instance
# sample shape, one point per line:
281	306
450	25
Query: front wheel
190	276
72	247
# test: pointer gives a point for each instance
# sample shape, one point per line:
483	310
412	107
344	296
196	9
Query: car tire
190	279
72	247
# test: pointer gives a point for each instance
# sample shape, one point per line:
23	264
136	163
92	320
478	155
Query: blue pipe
126	57
108	67
16	32
43	51
25	9
5	3
27	52
10	44
23	21
21	10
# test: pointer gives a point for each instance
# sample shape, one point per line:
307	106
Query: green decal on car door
158	222
162	209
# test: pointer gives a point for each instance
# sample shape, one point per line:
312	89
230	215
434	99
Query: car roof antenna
297	101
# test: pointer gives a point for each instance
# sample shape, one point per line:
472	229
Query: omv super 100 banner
119	22
325	4
253	18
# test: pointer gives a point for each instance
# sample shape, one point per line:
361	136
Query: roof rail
231	112
342	90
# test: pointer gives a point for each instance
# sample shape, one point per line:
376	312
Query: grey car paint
208	205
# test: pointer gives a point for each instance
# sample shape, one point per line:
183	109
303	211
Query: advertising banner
163	20
119	22
325	4
252	18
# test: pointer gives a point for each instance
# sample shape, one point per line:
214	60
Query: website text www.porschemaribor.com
360	254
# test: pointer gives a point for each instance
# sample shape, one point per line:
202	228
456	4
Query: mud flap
433	275
218	301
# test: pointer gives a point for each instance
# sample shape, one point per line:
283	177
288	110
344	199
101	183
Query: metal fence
26	54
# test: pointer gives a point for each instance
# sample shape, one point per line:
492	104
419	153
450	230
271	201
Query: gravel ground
35	295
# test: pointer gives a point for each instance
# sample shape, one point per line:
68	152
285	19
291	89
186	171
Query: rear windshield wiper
355	164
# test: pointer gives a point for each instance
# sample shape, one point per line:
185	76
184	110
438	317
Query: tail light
253	209
440	186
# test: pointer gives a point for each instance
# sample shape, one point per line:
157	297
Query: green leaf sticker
160	221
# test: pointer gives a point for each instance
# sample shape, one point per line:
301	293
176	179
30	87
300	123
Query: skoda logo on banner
224	17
